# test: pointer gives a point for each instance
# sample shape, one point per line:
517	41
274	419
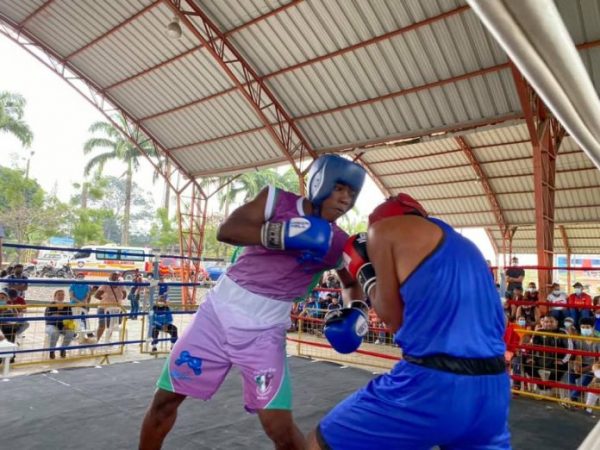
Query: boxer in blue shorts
433	290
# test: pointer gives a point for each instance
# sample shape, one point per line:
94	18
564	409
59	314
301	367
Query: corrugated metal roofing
364	77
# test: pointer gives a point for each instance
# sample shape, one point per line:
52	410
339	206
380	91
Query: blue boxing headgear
327	171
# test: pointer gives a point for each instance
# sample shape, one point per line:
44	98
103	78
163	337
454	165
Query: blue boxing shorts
413	407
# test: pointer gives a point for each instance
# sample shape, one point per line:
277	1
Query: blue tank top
451	305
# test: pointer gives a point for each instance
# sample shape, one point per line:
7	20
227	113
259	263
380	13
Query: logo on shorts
263	381
192	362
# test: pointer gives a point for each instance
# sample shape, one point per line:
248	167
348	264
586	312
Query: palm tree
118	148
12	107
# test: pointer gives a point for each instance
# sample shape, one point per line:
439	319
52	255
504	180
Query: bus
103	259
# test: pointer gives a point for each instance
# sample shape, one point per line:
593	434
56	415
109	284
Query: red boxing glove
356	261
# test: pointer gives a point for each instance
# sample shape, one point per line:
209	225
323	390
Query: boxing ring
91	408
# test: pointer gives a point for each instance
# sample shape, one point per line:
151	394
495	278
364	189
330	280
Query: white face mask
597	373
556	292
568	325
578	291
521	323
532	290
586	331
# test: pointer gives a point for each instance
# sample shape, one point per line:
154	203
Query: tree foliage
12	110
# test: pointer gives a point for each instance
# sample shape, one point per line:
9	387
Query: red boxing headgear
397	206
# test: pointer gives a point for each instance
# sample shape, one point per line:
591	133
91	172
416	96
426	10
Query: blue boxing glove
309	233
346	327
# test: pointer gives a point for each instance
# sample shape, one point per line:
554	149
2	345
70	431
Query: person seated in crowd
8	327
162	320
18	274
59	322
377	328
577	299
514	302
512	339
558	298
548	365
333	281
582	373
20	308
334	303
109	296
79	296
514	276
529	311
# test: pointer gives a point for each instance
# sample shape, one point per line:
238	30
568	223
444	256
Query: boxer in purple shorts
288	242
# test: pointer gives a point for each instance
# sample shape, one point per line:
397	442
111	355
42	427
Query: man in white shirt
559	298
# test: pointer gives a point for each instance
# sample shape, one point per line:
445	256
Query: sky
60	118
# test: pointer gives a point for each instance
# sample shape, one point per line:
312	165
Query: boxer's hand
357	262
308	233
346	327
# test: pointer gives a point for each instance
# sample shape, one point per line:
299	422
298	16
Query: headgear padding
398	205
327	171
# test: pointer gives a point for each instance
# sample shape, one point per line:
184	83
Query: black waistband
460	366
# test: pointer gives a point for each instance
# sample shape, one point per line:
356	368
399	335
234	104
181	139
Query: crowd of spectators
561	316
67	313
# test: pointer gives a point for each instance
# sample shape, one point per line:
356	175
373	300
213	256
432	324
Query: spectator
79	296
548	365
109	296
163	289
8	328
583	372
515	302
514	276
579	298
332	281
532	294
20	309
558	298
529	311
18	275
59	322
376	327
134	296
334	304
162	320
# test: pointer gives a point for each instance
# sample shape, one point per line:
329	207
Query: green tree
164	234
117	147
12	109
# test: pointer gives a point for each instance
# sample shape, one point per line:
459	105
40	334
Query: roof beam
461	197
521	175
198	47
458	166
384	190
446	152
34	13
285	133
485	184
458	128
466	213
371	41
112	30
492	241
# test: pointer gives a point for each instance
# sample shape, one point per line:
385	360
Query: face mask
521	323
597	373
586	332
578	291
568	324
556	292
532	290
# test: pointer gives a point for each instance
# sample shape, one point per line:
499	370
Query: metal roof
356	77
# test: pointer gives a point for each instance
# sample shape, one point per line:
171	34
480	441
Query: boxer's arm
243	226
385	295
351	290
